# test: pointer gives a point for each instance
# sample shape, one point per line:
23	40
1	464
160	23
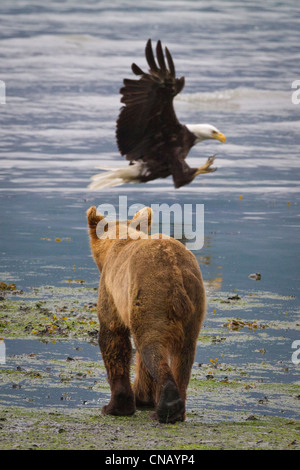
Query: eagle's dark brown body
162	167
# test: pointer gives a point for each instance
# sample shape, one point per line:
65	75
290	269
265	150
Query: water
63	64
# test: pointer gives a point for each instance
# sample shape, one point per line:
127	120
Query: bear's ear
92	217
144	219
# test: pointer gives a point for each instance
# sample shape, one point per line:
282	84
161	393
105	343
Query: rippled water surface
63	64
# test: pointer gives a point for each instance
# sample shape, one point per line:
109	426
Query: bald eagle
148	132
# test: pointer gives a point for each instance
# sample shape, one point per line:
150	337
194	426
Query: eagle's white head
206	131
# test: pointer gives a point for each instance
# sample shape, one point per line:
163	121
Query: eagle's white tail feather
117	177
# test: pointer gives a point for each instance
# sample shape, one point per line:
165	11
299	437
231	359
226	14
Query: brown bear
150	288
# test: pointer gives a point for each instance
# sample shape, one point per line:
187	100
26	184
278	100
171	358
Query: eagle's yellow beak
221	137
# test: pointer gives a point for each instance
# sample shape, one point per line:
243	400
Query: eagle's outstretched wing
147	121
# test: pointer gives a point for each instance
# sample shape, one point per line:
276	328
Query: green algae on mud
50	312
70	312
21	428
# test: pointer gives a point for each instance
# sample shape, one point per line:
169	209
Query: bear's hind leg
181	365
116	352
170	407
144	386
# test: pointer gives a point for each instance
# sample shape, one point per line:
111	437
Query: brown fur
152	290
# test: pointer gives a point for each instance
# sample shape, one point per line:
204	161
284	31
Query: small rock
255	276
16	386
251	418
234	297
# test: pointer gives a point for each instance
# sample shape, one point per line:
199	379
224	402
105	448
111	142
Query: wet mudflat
86	429
242	393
